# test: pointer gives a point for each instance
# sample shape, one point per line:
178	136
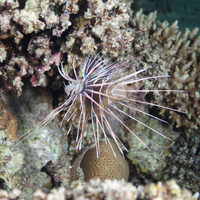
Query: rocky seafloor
35	36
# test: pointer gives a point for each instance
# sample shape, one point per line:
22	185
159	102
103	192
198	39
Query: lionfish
97	94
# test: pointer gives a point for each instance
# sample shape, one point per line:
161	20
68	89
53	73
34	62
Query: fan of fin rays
101	89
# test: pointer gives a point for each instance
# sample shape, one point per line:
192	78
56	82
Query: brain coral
106	166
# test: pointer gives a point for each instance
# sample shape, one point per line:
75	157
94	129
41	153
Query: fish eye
68	89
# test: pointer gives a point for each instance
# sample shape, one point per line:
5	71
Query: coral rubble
109	189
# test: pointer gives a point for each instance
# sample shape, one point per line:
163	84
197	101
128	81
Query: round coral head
106	166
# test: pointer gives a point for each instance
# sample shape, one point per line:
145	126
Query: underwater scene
99	99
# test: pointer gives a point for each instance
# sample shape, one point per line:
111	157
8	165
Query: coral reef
21	163
36	36
179	58
149	163
27	46
138	44
183	164
109	189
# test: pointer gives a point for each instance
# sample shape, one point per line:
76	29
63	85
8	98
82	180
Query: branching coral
176	55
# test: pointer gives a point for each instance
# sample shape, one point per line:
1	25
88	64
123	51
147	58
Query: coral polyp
102	93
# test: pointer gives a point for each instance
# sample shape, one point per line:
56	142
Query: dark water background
187	12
